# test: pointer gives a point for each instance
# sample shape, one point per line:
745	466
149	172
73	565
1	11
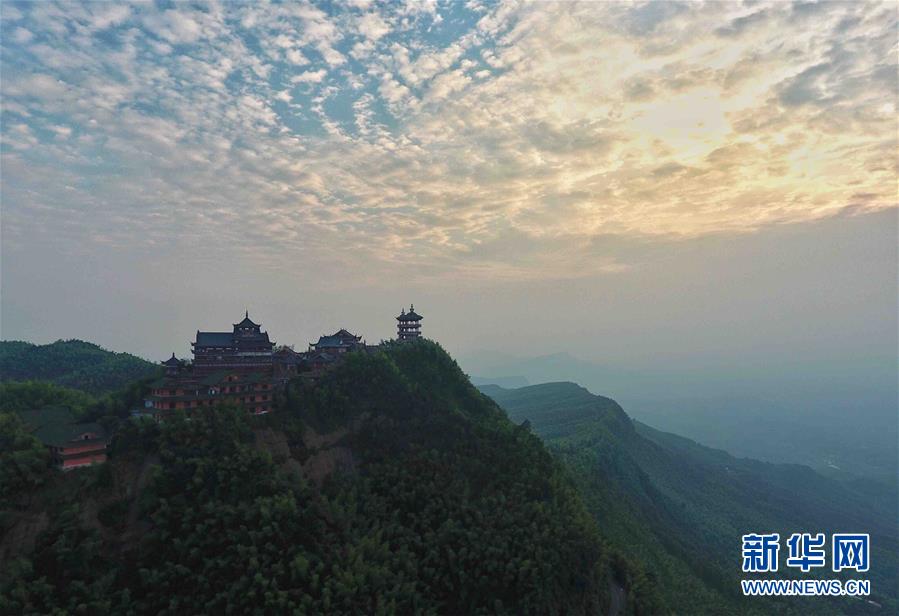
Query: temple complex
243	367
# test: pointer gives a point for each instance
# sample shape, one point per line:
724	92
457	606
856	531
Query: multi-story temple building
254	391
245	349
408	326
237	366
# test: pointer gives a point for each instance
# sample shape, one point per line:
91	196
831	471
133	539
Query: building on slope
253	391
71	444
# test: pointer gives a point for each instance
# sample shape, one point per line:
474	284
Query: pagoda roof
172	361
247	322
409	316
341	338
214	339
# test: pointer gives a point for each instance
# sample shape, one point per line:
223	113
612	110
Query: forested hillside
72	363
392	486
681	508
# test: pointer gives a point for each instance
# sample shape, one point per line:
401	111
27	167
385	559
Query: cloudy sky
641	180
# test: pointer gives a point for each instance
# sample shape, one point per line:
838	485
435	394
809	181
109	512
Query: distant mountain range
843	433
509	382
682	507
72	363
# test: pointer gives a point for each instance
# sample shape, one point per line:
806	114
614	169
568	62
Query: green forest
680	508
392	485
442	505
72	363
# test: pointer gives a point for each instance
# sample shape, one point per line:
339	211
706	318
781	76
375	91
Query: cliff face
391	486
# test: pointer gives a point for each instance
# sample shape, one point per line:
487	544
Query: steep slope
391	486
72	363
682	507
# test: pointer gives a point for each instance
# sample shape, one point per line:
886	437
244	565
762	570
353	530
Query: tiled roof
56	426
342	338
409	316
247	322
214	339
172	361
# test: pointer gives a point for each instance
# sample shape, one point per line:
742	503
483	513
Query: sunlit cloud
474	140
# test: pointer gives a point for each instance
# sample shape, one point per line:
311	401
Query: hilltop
391	485
72	363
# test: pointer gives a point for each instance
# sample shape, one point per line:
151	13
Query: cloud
284	96
310	76
446	84
393	91
372	26
295	56
521	129
741	24
174	26
11	13
109	15
805	87
39	86
61	131
21	35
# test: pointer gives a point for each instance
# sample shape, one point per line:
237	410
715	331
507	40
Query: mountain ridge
845	432
72	363
683	506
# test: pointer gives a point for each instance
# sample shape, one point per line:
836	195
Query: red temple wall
80	449
98	458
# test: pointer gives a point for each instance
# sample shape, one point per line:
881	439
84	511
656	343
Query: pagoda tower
408	325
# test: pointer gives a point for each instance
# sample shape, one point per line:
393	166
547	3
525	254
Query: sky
705	185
